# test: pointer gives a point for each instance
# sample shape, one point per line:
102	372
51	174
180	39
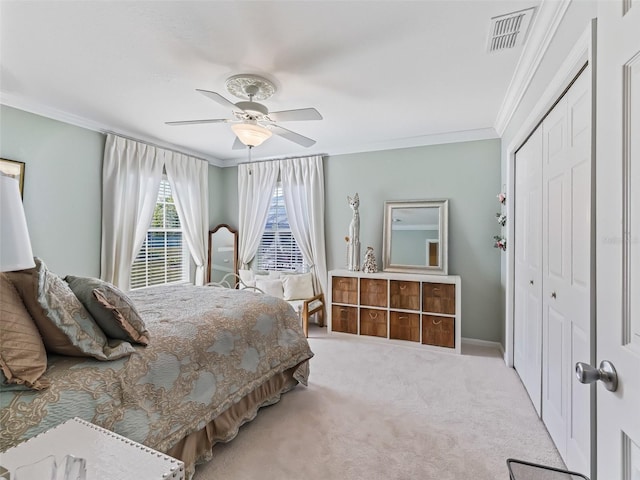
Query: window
278	249
163	257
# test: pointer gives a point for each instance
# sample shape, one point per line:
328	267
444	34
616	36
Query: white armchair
296	289
308	307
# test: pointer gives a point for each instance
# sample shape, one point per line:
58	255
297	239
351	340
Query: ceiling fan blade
216	97
295	115
195	122
238	145
292	136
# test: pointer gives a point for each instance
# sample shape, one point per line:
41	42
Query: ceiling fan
251	121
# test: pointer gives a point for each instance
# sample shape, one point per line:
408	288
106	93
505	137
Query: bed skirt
197	447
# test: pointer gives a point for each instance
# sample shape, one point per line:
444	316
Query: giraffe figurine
353	245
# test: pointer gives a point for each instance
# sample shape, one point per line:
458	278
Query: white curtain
189	180
131	175
303	187
256	182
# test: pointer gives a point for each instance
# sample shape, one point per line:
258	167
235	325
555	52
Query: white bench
304	307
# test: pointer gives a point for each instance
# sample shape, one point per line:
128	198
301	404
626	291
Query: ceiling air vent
510	30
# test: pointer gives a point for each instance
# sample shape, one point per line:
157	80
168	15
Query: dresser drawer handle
402	317
433	320
436	289
402	287
343	310
373	315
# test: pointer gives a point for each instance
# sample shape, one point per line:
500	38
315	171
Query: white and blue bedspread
209	348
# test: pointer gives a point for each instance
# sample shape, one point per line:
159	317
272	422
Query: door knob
606	373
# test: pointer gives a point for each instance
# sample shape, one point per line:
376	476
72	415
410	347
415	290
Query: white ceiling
384	74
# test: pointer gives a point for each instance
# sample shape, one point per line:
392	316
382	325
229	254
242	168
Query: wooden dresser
403	307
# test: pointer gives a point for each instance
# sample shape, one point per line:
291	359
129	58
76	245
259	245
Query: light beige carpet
379	411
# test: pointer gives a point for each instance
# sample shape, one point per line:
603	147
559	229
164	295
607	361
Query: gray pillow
65	325
112	310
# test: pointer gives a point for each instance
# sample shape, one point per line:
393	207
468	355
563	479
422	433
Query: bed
214	357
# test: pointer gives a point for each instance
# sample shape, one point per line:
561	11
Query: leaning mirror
223	247
415	236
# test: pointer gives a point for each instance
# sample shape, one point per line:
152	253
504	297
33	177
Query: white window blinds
278	249
163	256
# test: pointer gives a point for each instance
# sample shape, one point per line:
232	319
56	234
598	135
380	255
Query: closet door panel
580	225
567	272
556	230
555	221
554	406
579	435
528	267
578	288
555	135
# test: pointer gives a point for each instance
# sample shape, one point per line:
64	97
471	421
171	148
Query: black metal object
521	470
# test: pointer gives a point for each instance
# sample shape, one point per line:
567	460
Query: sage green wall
216	194
62	202
62	189
230	180
468	174
223	196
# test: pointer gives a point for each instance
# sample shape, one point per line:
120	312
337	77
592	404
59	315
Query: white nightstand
108	455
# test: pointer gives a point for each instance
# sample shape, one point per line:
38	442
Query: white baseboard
484	343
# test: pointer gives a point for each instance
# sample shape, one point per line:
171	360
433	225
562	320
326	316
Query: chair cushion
297	304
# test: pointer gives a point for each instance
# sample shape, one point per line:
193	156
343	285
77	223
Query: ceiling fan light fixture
251	134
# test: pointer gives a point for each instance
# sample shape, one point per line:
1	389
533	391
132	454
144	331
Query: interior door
567	272
527	354
618	237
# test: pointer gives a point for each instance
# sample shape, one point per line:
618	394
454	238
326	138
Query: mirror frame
443	223
235	248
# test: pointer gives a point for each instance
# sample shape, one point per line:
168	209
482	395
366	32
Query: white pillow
247	277
270	286
297	287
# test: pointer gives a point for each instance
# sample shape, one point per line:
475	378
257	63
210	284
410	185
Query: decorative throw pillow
297	287
111	308
270	286
23	358
64	324
247	277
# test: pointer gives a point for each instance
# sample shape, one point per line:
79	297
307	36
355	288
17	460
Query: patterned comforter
209	348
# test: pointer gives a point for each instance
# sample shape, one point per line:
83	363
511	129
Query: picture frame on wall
13	169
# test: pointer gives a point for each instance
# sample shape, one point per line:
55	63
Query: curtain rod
283	158
155	145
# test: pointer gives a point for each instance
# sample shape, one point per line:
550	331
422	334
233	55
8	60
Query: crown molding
421	141
36	108
410	142
545	25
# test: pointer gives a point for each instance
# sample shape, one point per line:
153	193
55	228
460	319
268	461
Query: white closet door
528	267
566	318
